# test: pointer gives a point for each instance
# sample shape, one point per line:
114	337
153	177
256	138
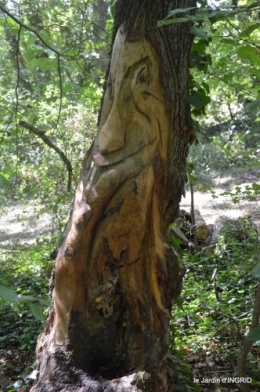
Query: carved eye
143	78
109	83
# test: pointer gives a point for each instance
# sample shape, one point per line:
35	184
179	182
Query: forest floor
21	223
214	370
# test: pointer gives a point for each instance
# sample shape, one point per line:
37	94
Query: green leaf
55	208
38	49
4	183
198	112
249	30
218	15
198	60
67	88
9	295
244	51
179	303
206	86
201	33
229	41
199	46
249	52
254	382
176	242
49	52
254	105
25	298
46	64
170	21
207	320
253	5
179	11
256	271
254	334
36	311
13	25
195	100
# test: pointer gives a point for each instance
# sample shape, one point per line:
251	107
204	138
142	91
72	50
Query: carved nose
111	136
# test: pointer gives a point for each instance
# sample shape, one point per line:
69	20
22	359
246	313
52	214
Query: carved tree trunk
116	274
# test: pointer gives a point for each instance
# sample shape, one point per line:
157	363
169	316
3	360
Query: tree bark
100	10
116	275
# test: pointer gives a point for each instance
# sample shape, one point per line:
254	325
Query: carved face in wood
115	229
133	114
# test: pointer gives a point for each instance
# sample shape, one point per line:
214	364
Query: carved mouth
109	158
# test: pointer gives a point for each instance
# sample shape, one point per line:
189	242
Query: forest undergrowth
209	320
51	86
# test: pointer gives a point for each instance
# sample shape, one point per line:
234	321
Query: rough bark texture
116	274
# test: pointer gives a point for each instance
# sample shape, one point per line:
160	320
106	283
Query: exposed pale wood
217	230
200	226
209	240
181	236
116	274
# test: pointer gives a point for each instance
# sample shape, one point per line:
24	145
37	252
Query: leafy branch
201	14
49	143
22	25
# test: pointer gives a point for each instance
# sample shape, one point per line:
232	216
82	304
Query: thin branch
18	72
26	27
49	143
240	38
60	83
16	93
192	213
79	44
230	84
21	24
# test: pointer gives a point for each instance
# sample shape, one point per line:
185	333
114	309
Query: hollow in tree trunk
116	274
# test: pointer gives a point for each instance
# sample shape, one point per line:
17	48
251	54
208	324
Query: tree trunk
116	275
100	10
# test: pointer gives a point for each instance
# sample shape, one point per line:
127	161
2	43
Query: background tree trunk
116	274
100	10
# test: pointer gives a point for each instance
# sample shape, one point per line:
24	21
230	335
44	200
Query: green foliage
52	63
231	151
225	55
24	292
51	75
254	334
180	372
54	83
215	313
250	191
256	271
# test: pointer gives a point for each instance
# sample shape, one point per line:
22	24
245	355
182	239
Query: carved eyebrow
146	60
